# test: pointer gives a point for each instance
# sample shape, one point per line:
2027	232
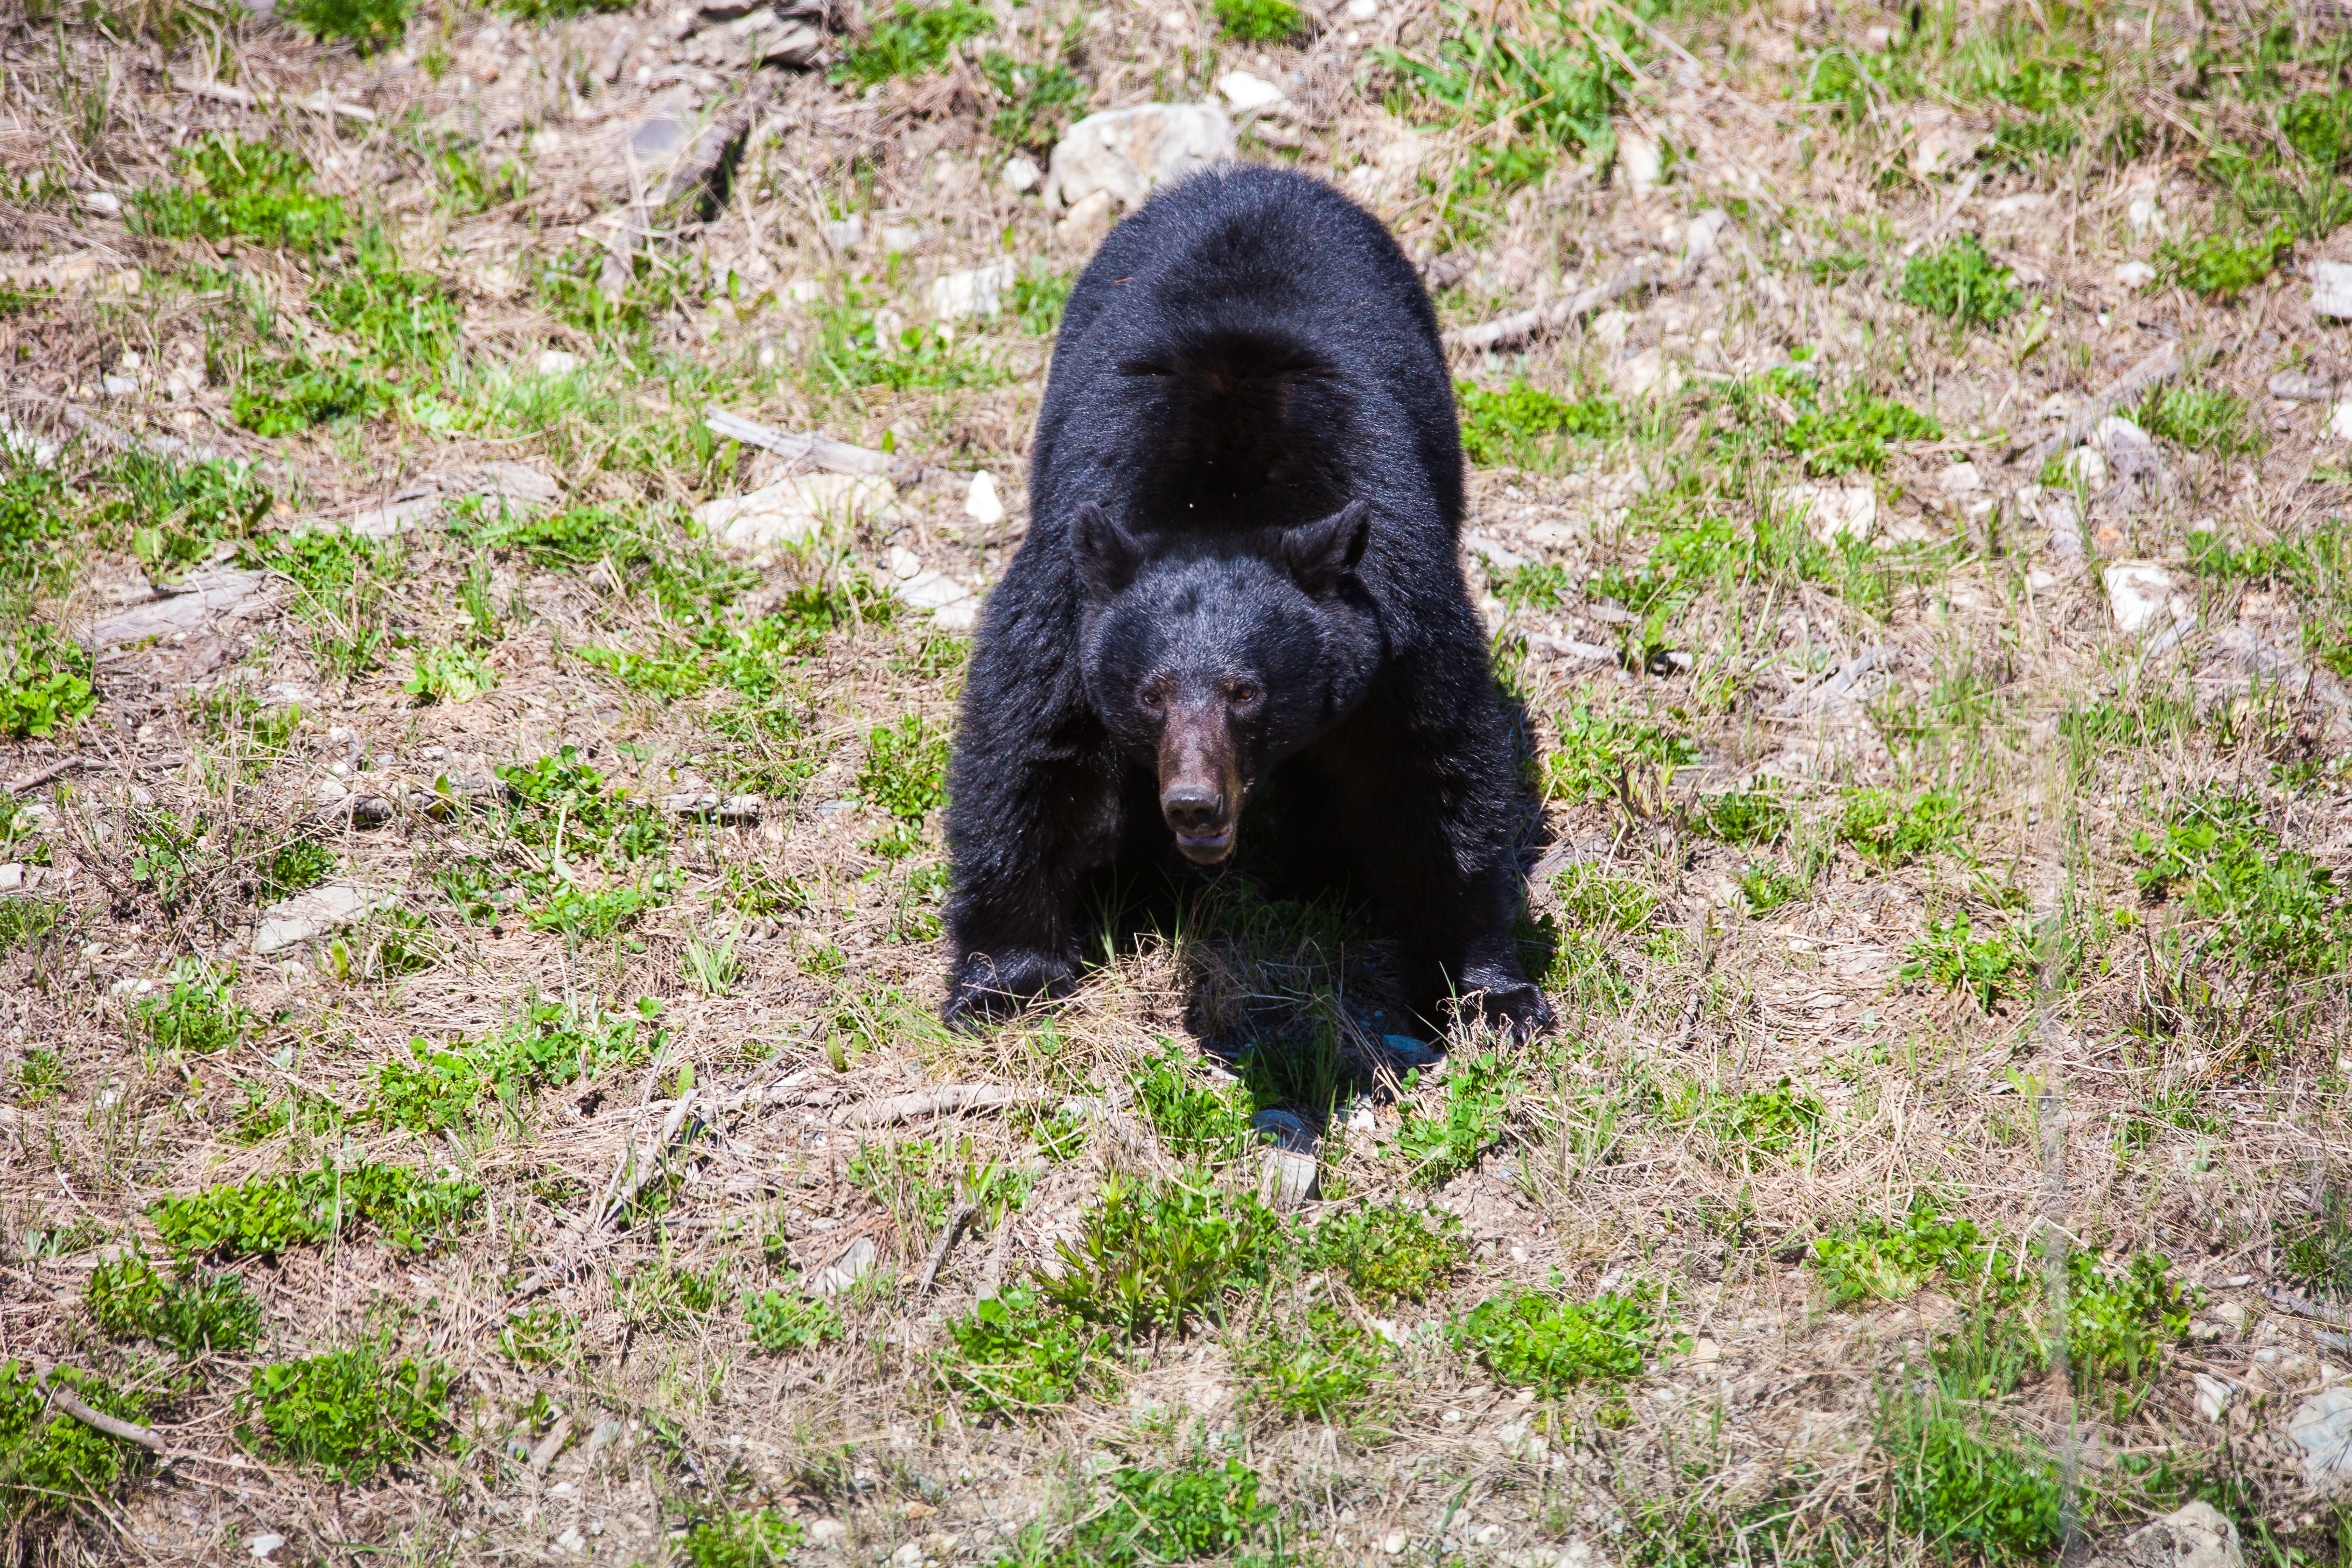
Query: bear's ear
1320	553
1106	553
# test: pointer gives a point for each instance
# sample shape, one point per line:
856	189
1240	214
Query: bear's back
1251	350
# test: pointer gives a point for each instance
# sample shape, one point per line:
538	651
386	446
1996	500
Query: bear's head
1214	661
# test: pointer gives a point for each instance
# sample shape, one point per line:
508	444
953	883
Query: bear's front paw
1517	1006
995	985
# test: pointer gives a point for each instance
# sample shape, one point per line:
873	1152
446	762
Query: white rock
929	590
2339	421
1020	174
555	362
2086	466
959	617
1960	479
1646	375
264	1545
1610	326
119	385
572	1540
102	202
2331	288
843	234
198	597
2212	1397
1086	223
1394	1542
982	503
855	1263
2196	1536
1830	511
900	237
2135	275
21	444
2143	214
826	1531
1246	92
793	508
1288	1177
307	916
2142	595
1363	10
11	877
901	562
2321	1427
1639	160
1127	151
960	296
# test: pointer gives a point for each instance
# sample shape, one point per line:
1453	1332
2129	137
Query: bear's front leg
1022	839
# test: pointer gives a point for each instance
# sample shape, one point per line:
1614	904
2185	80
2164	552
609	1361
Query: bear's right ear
1320	553
1106	553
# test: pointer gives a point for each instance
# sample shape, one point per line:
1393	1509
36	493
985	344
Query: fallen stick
239	98
958	1217
2151	372
642	1173
1509	332
689	175
824	451
949	1101
36	779
112	1425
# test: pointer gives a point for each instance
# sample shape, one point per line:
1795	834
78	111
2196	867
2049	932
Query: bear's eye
1151	698
1243	693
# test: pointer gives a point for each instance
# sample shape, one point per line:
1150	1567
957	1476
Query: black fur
1248	473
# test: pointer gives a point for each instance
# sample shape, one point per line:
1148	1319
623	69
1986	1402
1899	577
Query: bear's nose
1194	809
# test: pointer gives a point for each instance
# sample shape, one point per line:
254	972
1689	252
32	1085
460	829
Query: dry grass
1736	1092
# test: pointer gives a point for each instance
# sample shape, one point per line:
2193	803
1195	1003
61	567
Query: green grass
741	1538
1151	1256
1891	834
1537	1339
1852	435
294	866
1036	103
56	1465
1390	1253
550	1045
1756	817
196	1013
350	1413
450	673
659	1296
2222	266
2201	418
913	40
367	24
789	1319
1186	1514
1473	1117
905	774
1514	425
41	1077
1876	1258
1257	21
45	685
1990	967
1017	1353
1765	887
1782	1120
176	512
2274	911
1596	747
193	1313
1195	1121
1599	901
286	397
2316	1248
539	1335
402	318
265	1216
1958	281
256	191
1963	1490
1321	1363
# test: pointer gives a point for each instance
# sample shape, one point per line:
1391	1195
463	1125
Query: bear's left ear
1107	555
1320	553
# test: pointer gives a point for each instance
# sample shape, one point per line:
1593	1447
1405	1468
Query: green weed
1168	1516
242	190
1890	834
1016	1353
352	1412
789	1319
1779	1121
450	673
2273	911
45	685
906	769
551	1045
1038	301
741	1538
1476	1111
1958	281
1987	967
1037	102
539	1335
1852	435
197	1013
1537	1339
295	866
367	24
2222	266
266	1214
1151	1256
286	397
178	511
1258	21
2201	418
1512	425
1195	1121
1756	817
56	1464
1766	888
1876	1259
1594	898
41	1077
913	40
194	1314
1958	1490
1596	748
1390	1254
1321	1363
2317	1247
401	317
667	1296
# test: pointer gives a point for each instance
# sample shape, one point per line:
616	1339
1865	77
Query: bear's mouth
1206	849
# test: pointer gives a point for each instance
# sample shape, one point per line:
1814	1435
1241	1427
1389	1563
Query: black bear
1241	559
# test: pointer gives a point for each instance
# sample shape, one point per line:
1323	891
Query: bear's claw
992	987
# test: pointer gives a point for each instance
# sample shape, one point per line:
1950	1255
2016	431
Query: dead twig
958	1217
36	779
1520	326
239	98
2151	372
824	451
146	1437
949	1101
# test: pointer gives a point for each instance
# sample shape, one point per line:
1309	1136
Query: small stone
1394	1542
119	385
901	562
1363	10
307	916
908	1555
855	1263
727	811
845	235
1960	479
1646	375
2321	1427
2196	1536
791	508
2300	386
105	202
2212	1397
1125	153
1020	175
1640	161
826	1531
1413	1052
571	1540
2143	214
2135	275
960	296
555	362
1488	1535
1831	511
1288	1177
2339	421
2141	594
1610	326
264	1546
2331	288
1087	221
1704	1350
982	503
1246	92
